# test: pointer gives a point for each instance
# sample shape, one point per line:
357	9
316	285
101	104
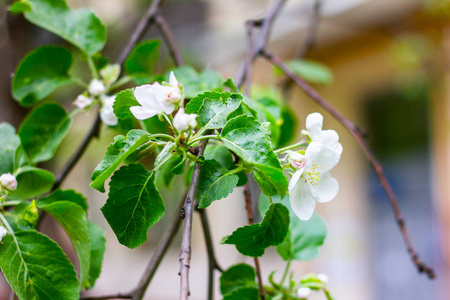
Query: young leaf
243	293
252	240
311	71
19	7
195	83
116	153
213	113
240	275
66	195
221	154
165	154
215	183
36	268
165	172
43	130
80	27
304	239
72	218
245	136
23	217
134	204
32	182
10	141
98	246
40	73
142	61
193	106
124	100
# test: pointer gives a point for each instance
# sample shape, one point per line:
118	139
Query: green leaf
165	154
311	71
165	172
66	195
245	136
142	61
72	218
134	204
243	293
98	247
24	216
195	83
43	130
229	83
116	153
19	7
80	27
221	154
42	71
215	183
240	275
10	141
36	268
303	239
288	130
32	182
124	100
252	240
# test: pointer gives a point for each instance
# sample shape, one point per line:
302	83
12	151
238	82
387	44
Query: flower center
312	174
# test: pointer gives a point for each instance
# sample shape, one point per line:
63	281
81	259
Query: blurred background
390	75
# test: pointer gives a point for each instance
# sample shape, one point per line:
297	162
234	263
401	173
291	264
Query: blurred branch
186	213
212	262
249	209
359	136
139	291
114	296
311	34
166	34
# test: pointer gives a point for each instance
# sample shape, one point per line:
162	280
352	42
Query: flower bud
110	73
82	101
303	292
3	232
96	87
8	182
175	93
323	277
296	159
107	112
183	121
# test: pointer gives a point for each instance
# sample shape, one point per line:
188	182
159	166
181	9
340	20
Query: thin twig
249	64
261	40
114	296
163	245
249	209
140	30
212	262
311	33
167	35
359	136
185	253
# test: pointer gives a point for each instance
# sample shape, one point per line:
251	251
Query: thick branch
212	262
249	209
114	296
166	34
186	213
139	291
359	136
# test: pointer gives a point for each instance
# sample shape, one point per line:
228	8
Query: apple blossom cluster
163	98
311	180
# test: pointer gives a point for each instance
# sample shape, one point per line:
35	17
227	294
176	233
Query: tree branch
114	296
186	214
249	209
311	34
359	136
166	34
212	262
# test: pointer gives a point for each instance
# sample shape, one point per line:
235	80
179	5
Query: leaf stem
286	271
122	81
11	203
296	145
92	67
205	137
163	135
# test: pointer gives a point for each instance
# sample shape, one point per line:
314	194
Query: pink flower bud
8	181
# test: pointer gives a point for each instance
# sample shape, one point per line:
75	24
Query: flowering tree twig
359	136
186	213
249	209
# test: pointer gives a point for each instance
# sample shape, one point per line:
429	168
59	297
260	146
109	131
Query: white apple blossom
323	277
82	101
313	181
96	87
296	159
8	181
106	112
303	292
329	138
3	232
184	121
155	98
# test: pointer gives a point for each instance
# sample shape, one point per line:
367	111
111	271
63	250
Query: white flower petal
302	200
325	158
3	232
141	113
314	123
327	188
295	178
173	80
96	87
144	94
